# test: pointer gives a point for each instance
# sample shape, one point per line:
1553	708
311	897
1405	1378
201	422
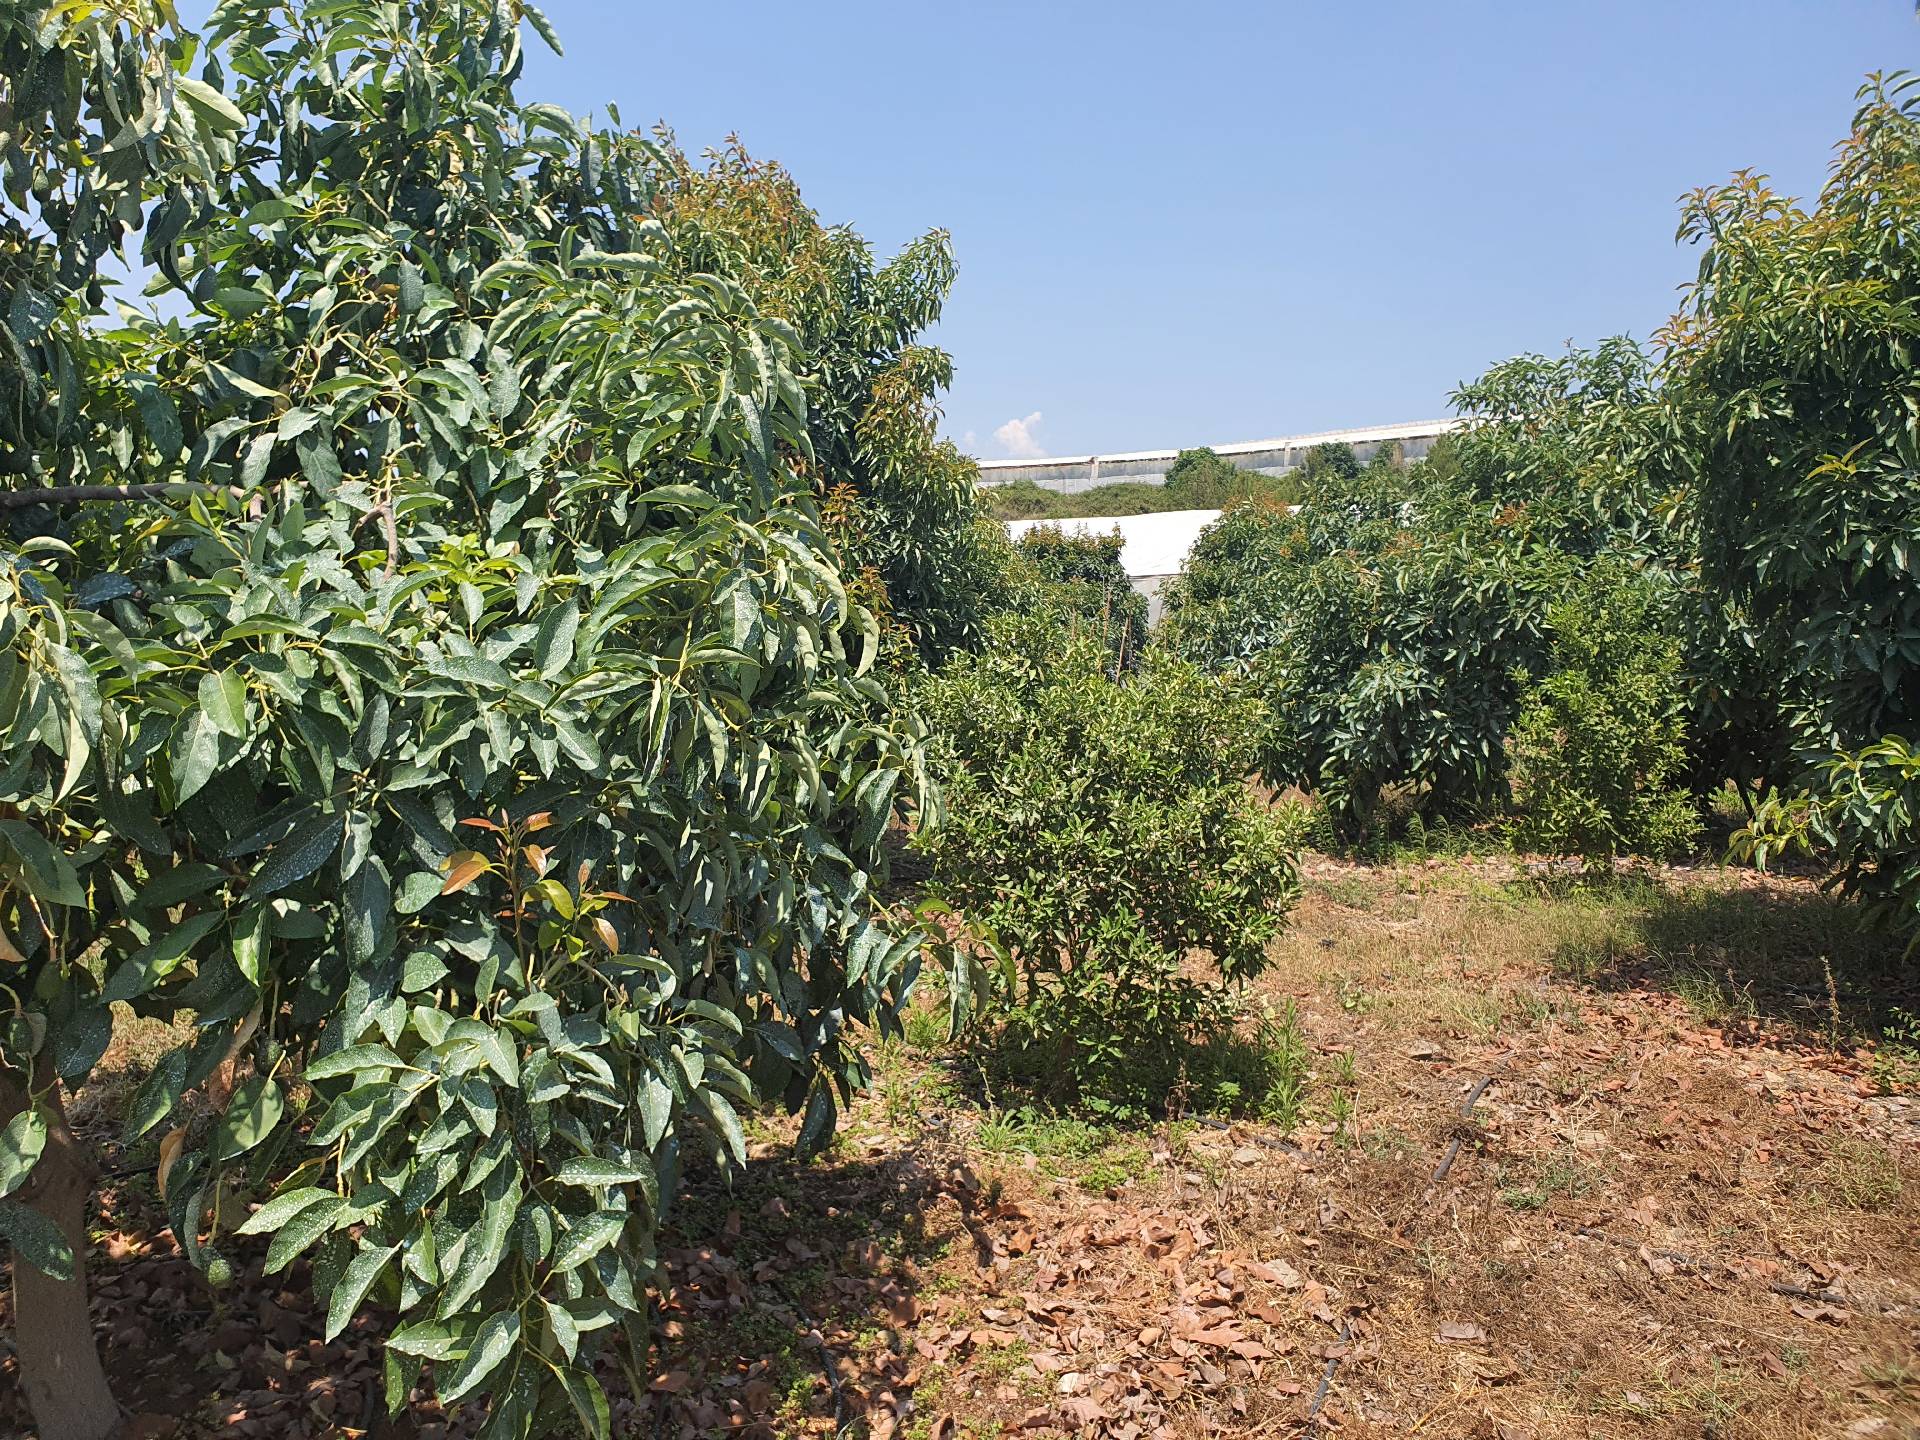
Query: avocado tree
906	510
432	674
1789	390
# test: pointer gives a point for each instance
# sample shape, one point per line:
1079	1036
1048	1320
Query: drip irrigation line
1326	1377
1466	1112
1715	1267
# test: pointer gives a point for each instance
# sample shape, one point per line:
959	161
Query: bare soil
1678	1205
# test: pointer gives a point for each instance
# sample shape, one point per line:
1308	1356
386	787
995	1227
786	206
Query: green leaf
46	873
474	670
566	1334
159	1092
251	931
553	643
587	1236
352	1060
152	963
196	753
487	1245
168	888
282	1208
259	457
256	1107
398	1380
490	1347
352	1286
81	1039
20	1146
579	745
431	1339
542	26
823	1114
36	1239
213	108
161	417
223	700
728	1123
301	1230
304	851
592	1171
589	1401
656	1109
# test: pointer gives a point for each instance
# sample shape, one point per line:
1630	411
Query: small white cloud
970	443
1016	437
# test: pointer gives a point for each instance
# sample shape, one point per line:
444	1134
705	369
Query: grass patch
1858	1175
1260	1070
1538	1185
1895	1067
1066	1147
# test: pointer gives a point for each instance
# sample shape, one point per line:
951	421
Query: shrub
1079	579
1097	833
1599	741
1391	622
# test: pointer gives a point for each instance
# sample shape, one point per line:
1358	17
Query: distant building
1069	474
1153	547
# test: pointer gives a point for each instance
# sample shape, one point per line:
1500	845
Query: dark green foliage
1790	389
484	751
1599	741
1392	621
1097	832
1330	461
1078	579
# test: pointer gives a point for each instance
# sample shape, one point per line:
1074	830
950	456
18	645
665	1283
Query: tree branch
81	494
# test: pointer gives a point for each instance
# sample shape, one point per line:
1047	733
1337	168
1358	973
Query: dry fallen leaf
1459	1332
1276	1272
1832	1314
1489	1368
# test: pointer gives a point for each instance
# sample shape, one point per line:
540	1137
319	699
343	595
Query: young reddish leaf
463	868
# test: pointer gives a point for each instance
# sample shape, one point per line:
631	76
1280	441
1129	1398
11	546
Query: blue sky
1215	222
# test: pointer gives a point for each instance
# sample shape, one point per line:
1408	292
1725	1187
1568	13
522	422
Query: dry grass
1684	1118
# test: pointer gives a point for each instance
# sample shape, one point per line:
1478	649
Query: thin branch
83	494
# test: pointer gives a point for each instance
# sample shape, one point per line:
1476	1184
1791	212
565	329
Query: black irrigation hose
1709	1267
1326	1377
1284	1146
1466	1111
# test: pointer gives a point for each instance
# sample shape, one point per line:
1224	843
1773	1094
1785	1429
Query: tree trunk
60	1371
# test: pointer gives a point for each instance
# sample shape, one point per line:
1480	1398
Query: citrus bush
1097	834
423	664
1079	579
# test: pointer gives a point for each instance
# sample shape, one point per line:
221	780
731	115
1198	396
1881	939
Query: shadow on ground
1756	949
